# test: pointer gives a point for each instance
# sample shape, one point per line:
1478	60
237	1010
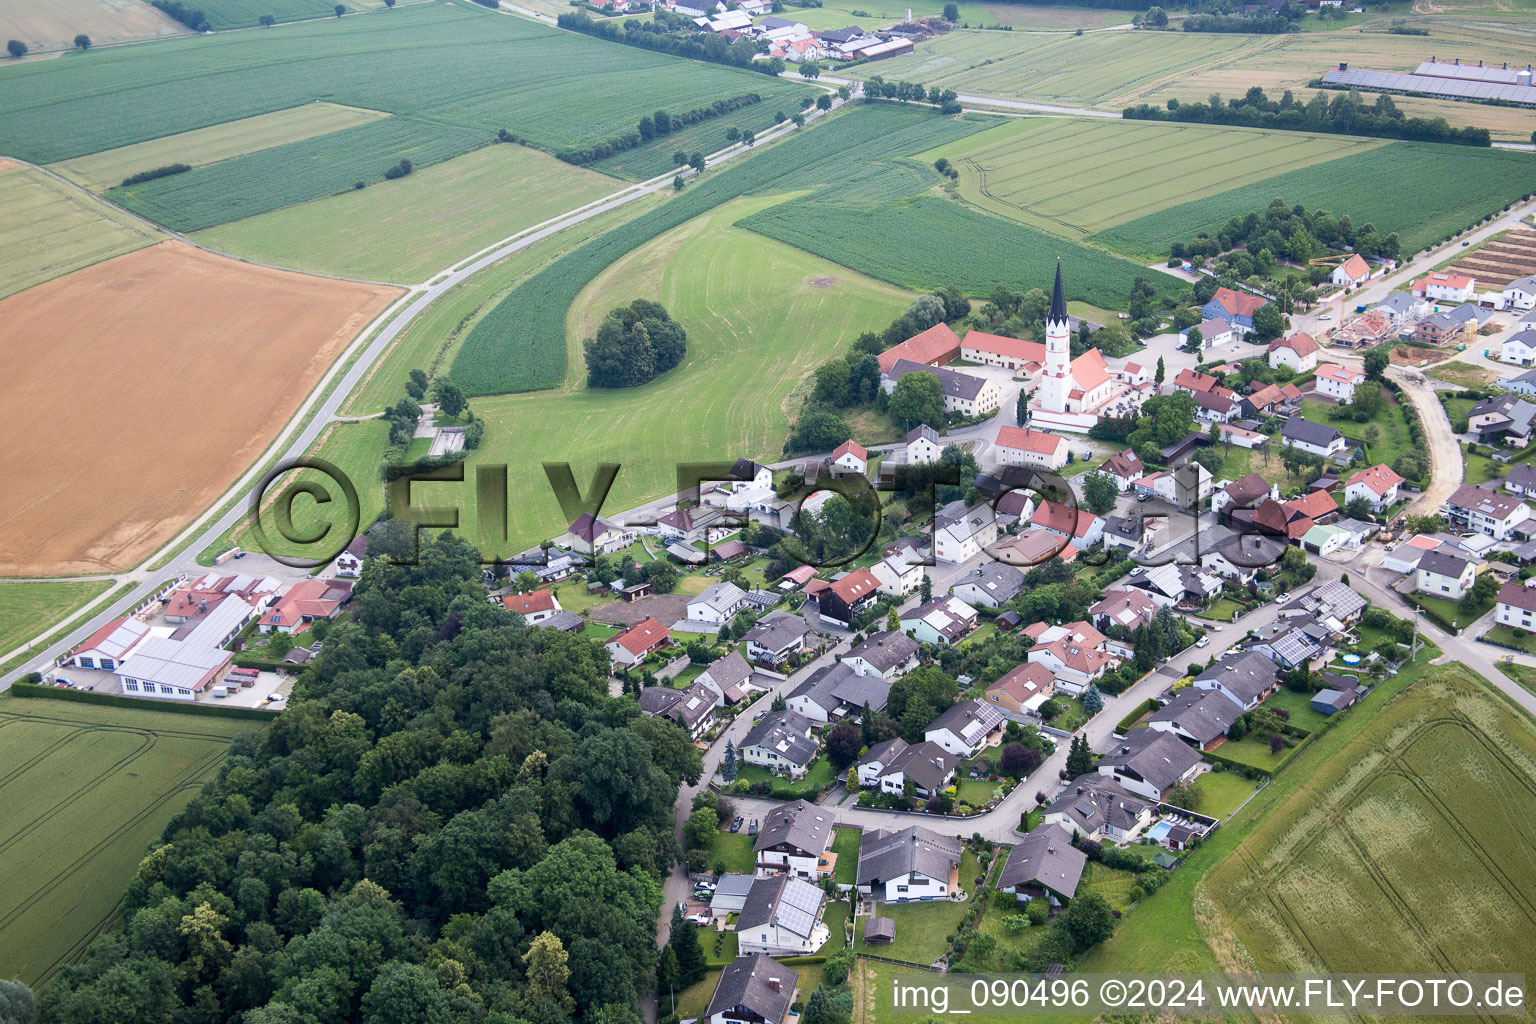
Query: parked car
1204	641
752	828
699	918
736	825
61	681
274	698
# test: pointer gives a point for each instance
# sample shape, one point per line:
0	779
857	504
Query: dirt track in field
137	390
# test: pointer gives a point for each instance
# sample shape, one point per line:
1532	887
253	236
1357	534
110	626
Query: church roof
1058	299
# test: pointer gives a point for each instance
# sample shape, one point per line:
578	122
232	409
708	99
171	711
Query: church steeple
1058	298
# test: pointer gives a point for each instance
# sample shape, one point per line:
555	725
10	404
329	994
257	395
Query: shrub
158	172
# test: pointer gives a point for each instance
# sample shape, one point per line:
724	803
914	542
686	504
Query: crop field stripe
147	743
51	229
22	767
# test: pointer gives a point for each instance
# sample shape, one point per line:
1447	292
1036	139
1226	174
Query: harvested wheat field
54	25
147	385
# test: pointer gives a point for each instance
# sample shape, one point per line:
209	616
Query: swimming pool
1157	833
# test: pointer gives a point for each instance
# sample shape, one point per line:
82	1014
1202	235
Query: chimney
773	983
909	15
1343	65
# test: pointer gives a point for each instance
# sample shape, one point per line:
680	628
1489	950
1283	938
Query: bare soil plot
50	229
202	146
53	24
150	383
1502	260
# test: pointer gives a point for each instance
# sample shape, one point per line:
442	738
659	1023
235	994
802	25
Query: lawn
1502	634
1221	793
1073	714
845	843
816	779
1394	431
835	916
1031	16
1054	67
1450	611
1437	190
50	229
1525	675
922	930
1300	707
1254	752
1122	169
204	146
1221	610
744	301
872	14
975	792
732	853
452	64
27	609
87	790
410	228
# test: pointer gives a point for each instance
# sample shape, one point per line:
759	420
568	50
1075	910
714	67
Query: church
1074	394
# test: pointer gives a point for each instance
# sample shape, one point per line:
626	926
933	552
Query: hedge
33	690
266	664
1125	723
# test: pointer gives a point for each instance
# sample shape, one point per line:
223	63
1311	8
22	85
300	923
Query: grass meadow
223	14
27	609
102	171
410	228
655	157
1436	190
86	790
50	229
1121	170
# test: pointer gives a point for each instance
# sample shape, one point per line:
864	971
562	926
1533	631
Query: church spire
1058	300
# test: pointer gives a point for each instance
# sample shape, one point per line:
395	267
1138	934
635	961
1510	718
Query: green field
705	137
86	790
1054	67
51	229
457	64
1120	170
1418	833
520	345
271	179
27	609
1040	16
245	13
210	145
1436	191
408	229
873	14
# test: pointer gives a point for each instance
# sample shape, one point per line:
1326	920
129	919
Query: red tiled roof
641	637
998	344
1356	267
1024	439
1024	682
527	604
1194	380
1342	374
1053	515
1314	505
856	585
1380	479
1090	370
937	345
1458	281
851	446
800	574
1238	303
1302	343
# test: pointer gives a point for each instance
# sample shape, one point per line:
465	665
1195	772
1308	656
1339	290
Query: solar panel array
1477	73
1452	88
798	906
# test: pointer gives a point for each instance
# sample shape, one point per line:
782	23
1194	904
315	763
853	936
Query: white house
535	606
1074	654
1245	679
942	620
1442	574
717	605
591	536
960	533
754	989
1378	485
898	577
887	655
350	561
792	839
889	765
1316	438
850	458
1520	348
783	742
1214	332
728	678
1097	807
1339	381
1444	287
631	646
1299	351
1520	293
1018	446
1516	606
782	917
1150	762
836	693
1497	515
964	728
775	637
1077	525
1520	383
108	646
912	864
1351	272
1124	469
923	445
991	585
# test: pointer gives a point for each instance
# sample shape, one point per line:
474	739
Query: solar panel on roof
1432	85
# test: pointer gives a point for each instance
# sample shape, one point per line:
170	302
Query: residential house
1194	381
934	347
990	586
1245	679
942	620
783	742
1211	407
1444	328
350	561
885	655
1378	485
888	767
1488	512
774	637
1290	643
755	989
1335	604
631	647
782	917
110	645
965	394
1368	330
1018	446
898	577
1121	533
1520	293
910	864
1235	307
1298	352
1097	807
837	693
792	840
728	678
1075	655
1442	286
1520	349
849	597
1023	689
1246	492
1313	438
717	605
1401	307
534	607
963	729
961	533
1351	272
850	459
692	708
1124	469
1214	332
1443	574
1150	762
1033	547
1338	381
1521	480
922	445
1043	865
1516	606
1077	525
589	535
689	524
1506	417
304	603
1127	609
1201	717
